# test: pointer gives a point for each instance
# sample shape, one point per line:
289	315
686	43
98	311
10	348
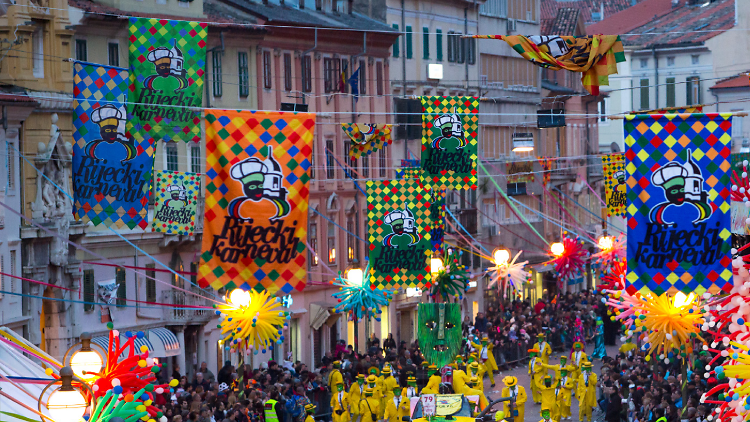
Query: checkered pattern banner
449	142
740	213
614	183
678	189
176	196
167	61
112	159
399	228
437	216
255	225
366	138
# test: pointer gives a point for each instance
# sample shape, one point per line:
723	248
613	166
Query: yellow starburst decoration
668	322
251	320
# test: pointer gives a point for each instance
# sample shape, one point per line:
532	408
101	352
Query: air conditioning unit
511	25
490	230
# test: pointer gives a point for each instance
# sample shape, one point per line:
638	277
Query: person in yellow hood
433	384
397	406
486	357
340	404
512	389
547	392
389	383
356	393
536	371
578	357
586	392
369	407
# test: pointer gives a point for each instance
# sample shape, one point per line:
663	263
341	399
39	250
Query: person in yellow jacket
557	368
397	407
335	376
356	393
547	415
310	411
545	349
340	404
475	370
377	393
411	389
369	407
586	392
458	363
563	390
512	389
577	358
547	393
379	379
486	357
461	385
627	347
433	384
389	382
536	371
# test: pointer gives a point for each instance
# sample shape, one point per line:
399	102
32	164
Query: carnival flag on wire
255	226
449	142
614	183
176	198
740	212
167	60
112	160
367	138
437	217
678	203
399	233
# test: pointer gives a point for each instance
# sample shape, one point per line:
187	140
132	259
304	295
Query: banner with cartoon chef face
399	225
167	61
176	199
613	166
678	209
255	224
113	156
449	142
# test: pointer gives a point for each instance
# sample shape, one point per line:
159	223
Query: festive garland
359	300
452	281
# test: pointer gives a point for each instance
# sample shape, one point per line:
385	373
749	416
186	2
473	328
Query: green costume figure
439	330
433	385
356	394
536	371
547	393
586	393
546	416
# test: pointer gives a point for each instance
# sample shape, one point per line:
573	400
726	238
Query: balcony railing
181	312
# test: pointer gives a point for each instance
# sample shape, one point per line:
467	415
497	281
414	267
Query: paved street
521	372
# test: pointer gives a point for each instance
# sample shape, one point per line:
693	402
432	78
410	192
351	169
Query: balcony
180	313
468	219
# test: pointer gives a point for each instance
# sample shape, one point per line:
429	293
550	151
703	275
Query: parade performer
545	349
340	404
512	389
461	385
411	389
586	393
474	371
310	412
546	416
377	391
599	349
335	376
369	407
562	365
458	363
536	371
547	393
578	358
389	382
356	394
397	407
563	393
433	384
486	357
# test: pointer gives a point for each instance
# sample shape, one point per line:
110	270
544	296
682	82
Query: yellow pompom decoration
142	363
145	418
48	371
140	408
144	349
174	383
648	358
148	402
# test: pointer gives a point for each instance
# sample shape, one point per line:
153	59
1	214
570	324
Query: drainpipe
656	69
403	66
304	54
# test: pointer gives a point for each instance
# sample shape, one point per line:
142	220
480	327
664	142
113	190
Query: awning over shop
318	315
165	342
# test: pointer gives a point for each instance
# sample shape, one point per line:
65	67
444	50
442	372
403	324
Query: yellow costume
512	389
586	392
377	393
547	415
356	393
460	386
547	393
563	388
369	407
411	390
433	384
475	370
545	349
389	383
557	368
310	411
340	406
537	372
335	376
396	408
577	358
486	357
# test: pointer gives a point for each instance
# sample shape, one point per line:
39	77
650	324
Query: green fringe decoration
439	351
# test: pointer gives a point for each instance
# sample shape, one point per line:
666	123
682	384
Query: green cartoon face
545	414
439	332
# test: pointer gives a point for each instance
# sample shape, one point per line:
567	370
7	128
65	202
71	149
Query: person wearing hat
177	197
486	357
517	392
433	384
388	384
578	357
411	389
335	377
356	394
557	368
536	372
458	363
108	118
563	388
599	350
546	415
586	392
340	404
547	393
369	407
310	412
627	347
545	349
475	371
461	385
396	407
373	382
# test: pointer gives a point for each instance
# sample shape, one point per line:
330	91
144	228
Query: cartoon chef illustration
404	227
168	62
261	180
109	118
682	184
451	127
178	197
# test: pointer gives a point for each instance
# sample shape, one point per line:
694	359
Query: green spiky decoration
439	332
452	281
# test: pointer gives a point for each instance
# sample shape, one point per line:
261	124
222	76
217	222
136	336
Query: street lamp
500	256
605	243
240	298
66	403
355	276
436	265
85	362
557	249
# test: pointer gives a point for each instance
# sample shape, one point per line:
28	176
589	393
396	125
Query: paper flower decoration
611	249
252	320
452	279
129	407
512	272
357	297
568	257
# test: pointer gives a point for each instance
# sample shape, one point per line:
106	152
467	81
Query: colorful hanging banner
112	160
399	228
740	213
409	173
255	226
519	171
678	203
167	60
672	110
449	142
613	166
366	138
437	217
546	164
176	198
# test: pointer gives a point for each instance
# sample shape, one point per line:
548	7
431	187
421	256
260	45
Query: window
170	149
330	170
195	158
644	63
313	254
121	286
693	90
350	239
396	49
695	59
362	78
331	243
11	166
670	92
89	291
409	49
3	286
381	162
307	74
439	44
347	147
343	77
603	110
14	273
496	8
218	88
287	71
455	50
312	162
114	54
365	166
425	42
82	51
379	77
150	283
332	71
267	70
670	61
37	52
194	271
470	47
244	74
644	95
